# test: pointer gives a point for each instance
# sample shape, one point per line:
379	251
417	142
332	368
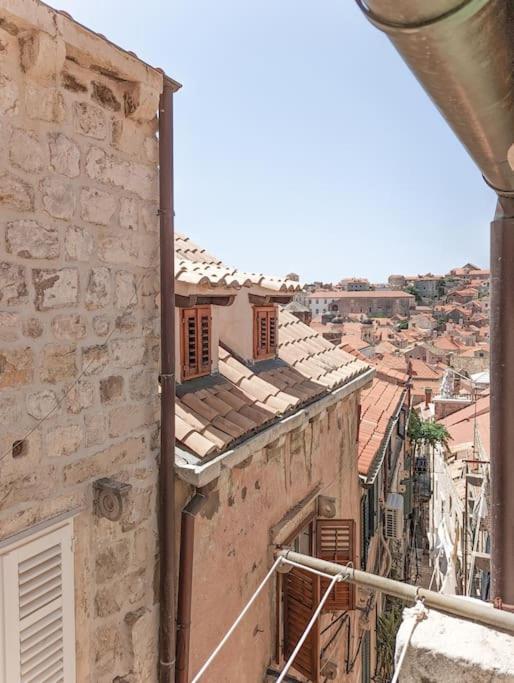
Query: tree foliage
425	433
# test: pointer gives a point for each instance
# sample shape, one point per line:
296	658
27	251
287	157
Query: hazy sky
303	143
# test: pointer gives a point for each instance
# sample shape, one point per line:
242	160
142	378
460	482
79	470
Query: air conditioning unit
393	516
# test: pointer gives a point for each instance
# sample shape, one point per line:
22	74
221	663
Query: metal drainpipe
502	403
185	584
167	379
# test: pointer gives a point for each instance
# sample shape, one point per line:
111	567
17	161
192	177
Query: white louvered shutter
38	610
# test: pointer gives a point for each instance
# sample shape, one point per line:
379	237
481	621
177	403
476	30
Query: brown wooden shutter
265	331
335	542
301	597
196	342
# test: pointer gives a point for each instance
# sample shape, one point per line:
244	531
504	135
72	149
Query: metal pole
502	403
167	377
454	605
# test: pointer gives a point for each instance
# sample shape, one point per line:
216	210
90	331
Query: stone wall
79	318
235	535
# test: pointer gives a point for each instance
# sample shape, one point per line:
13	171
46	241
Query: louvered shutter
301	592
272	331
204	340
196	342
335	542
38	610
265	331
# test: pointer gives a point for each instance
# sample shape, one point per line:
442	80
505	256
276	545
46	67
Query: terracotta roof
194	265
355	342
379	404
370	294
214	415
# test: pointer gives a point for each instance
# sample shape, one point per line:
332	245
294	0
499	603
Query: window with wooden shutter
37	609
301	595
335	542
265	332
196	342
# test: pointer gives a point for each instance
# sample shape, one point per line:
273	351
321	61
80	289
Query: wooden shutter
265	331
38	610
301	597
196	342
335	542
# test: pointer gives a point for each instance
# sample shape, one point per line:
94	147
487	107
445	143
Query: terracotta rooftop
194	265
355	342
379	404
373	294
215	413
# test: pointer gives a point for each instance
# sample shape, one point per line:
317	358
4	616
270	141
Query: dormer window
196	342
264	332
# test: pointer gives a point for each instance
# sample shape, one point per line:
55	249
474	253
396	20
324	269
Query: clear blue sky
303	143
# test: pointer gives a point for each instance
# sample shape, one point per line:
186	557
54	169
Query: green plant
425	433
388	624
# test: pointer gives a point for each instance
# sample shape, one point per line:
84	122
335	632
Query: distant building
397	281
374	303
355	284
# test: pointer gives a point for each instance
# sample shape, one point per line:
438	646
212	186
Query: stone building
267	458
79	349
384	303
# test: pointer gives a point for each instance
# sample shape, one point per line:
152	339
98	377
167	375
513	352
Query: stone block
8	95
63	440
16	367
69	327
108	600
96	428
125	292
80	397
129	213
107	645
141	102
141	179
58	197
105	462
111	562
58	363
96	206
10	412
95	359
13	285
55	288
9	326
42	55
127	353
126	322
30	486
78	243
143	384
104	96
15	193
143	629
64	155
138	508
40	403
150	217
101	325
29	239
33	328
89	120
99	288
44	104
127	419
26	151
111	388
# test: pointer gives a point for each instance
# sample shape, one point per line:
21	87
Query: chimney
428	396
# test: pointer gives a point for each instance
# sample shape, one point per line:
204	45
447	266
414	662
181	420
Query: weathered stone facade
79	318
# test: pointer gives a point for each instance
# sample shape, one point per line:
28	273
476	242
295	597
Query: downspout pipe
185	584
462	53
166	516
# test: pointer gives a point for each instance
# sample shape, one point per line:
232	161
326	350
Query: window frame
200	369
270	315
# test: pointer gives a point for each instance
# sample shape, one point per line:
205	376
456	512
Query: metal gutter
462	52
166	513
197	473
459	606
185	584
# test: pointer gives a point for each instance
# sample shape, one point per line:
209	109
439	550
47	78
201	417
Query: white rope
419	612
335	579
277	562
